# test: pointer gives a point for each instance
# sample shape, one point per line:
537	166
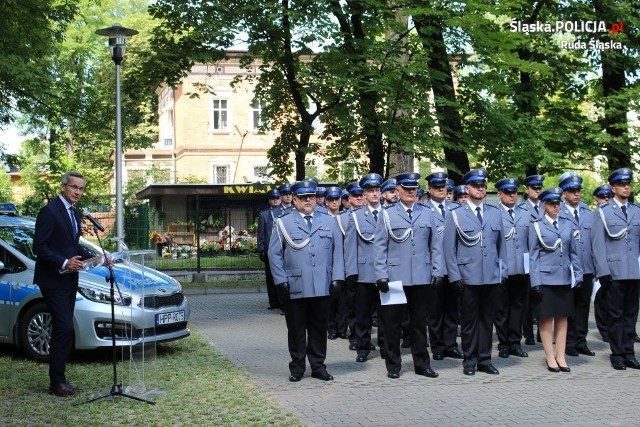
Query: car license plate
171	317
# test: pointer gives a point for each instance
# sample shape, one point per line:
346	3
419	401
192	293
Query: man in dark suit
59	258
265	226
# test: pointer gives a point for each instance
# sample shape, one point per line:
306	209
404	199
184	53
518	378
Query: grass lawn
196	386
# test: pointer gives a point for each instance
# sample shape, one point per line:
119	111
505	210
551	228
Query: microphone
96	224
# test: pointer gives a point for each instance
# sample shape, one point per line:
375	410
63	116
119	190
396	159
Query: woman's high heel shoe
556	369
563	368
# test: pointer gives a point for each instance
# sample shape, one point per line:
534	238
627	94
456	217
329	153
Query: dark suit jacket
53	243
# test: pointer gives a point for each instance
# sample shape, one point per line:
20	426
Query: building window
256	109
168	142
220	114
220	174
260	171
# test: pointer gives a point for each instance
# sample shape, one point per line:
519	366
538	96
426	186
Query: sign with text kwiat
245	189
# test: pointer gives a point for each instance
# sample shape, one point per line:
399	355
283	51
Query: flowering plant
156	237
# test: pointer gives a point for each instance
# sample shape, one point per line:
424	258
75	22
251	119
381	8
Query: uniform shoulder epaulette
346	211
491	206
536	220
522	206
355	208
285	213
389	205
453	208
604	204
452	204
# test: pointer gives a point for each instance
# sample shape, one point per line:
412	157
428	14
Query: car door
15	285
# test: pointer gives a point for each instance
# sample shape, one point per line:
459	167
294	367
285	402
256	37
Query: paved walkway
593	394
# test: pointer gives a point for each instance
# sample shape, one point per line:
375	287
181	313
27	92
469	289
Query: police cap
408	179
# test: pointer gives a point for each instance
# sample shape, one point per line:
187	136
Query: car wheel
35	332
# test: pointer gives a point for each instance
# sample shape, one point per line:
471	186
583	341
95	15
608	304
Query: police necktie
375	215
74	224
575	214
441	209
308	219
537	210
555	224
409	213
510	213
478	214
624	211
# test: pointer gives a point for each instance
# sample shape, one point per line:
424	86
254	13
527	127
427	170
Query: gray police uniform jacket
516	233
439	222
306	259
527	207
265	226
615	250
358	244
552	254
582	235
406	249
474	252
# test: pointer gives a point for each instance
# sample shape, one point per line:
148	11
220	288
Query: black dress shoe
62	390
518	352
406	343
572	353
529	341
322	375
427	372
353	346
294	378
361	358
586	351
632	363
454	353
619	365
554	369
503	352
488	369
74	388
438	355
372	347
393	375
332	336
469	370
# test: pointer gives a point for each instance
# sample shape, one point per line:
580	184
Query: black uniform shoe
619	365
529	341
503	352
322	375
586	351
571	352
427	372
294	378
454	353
438	355
406	343
332	336
632	363
518	352
353	346
393	375
469	370
361	358
489	369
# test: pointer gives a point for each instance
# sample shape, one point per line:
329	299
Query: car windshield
21	238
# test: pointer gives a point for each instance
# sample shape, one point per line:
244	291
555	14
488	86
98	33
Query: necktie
510	213
409	213
308	219
624	210
375	214
575	214
74	225
441	209
479	214
555	224
537	210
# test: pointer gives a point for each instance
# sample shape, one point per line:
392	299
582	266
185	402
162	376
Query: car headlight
100	294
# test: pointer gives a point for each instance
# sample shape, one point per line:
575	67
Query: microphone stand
116	388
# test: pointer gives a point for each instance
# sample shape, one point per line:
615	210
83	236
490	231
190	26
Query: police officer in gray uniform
406	250
513	293
602	195
307	263
475	253
443	301
358	254
615	237
265	225
582	218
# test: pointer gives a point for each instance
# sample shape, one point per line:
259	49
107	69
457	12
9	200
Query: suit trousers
307	322
61	303
578	327
600	312
442	317
509	311
479	304
347	312
367	301
622	310
272	294
392	316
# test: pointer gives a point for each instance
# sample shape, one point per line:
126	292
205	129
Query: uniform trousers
479	304
578	326
61	303
529	317
512	296
392	316
442	317
307	322
600	312
334	316
272	294
367	301
622	311
347	312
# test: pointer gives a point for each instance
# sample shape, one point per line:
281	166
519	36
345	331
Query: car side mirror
4	269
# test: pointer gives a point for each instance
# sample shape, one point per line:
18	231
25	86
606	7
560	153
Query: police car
149	305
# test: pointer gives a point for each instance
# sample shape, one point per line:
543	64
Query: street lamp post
117	39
